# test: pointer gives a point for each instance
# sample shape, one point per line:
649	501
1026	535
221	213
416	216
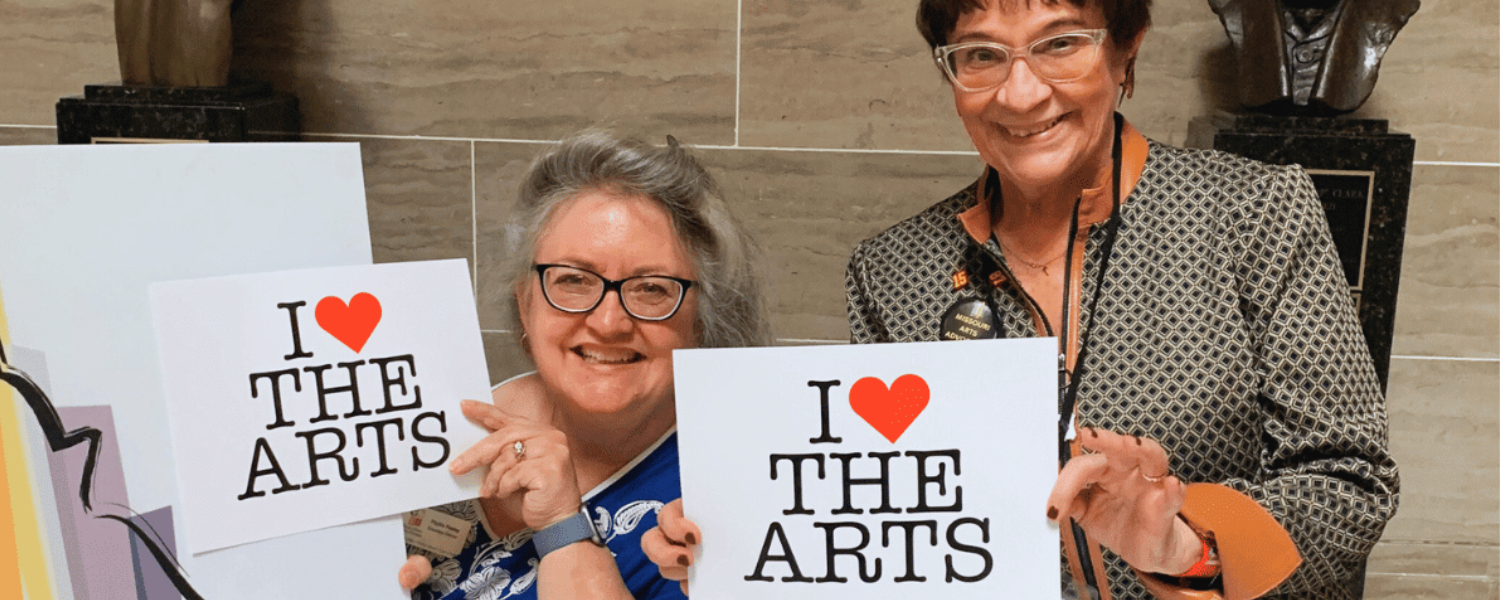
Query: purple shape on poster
151	583
98	550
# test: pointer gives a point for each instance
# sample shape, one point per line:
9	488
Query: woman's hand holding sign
1122	493
531	474
671	543
530	466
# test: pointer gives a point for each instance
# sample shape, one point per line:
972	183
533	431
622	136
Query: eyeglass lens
577	290
1057	58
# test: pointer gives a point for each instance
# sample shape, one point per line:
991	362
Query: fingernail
1094	432
1052	512
1137	440
691	539
683	560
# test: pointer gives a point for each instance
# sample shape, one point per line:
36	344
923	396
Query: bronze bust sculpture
175	83
1310	57
176	43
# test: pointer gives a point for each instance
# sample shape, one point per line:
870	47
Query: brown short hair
1126	18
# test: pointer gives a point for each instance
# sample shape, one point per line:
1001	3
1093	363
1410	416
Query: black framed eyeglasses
646	297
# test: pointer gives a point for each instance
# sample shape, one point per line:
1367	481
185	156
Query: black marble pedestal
244	112
1363	175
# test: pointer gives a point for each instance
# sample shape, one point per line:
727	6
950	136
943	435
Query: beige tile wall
825	123
27	136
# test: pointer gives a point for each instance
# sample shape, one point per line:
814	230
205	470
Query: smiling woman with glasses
617	254
1220	429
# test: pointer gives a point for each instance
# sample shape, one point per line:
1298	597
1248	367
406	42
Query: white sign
305	399
883	470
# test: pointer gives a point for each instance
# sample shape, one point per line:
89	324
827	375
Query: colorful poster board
83	231
871	471
304	399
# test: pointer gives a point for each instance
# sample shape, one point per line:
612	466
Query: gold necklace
1042	266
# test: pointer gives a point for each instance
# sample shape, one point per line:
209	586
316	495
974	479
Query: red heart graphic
351	324
889	411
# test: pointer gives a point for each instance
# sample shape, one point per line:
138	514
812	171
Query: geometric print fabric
1224	330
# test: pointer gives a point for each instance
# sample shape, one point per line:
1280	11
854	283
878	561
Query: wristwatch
571	530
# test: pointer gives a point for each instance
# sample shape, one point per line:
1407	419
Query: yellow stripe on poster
10	563
25	562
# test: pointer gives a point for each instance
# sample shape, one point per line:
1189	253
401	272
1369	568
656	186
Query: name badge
439	533
969	319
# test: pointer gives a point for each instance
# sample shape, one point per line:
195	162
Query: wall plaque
1362	172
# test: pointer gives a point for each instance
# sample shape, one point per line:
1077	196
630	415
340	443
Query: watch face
593	528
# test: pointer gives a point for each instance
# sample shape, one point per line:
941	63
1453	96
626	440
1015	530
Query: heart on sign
889	410
350	323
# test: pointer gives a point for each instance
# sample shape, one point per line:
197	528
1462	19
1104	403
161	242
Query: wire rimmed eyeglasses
980	66
646	297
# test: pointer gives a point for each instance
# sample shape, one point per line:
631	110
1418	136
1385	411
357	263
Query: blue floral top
624	507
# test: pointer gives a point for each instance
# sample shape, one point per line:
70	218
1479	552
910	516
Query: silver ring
1156	479
520	448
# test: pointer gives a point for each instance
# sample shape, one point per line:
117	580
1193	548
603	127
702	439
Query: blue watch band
571	530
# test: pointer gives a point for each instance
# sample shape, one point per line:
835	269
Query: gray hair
731	311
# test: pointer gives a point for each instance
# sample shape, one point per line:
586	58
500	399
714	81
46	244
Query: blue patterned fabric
505	568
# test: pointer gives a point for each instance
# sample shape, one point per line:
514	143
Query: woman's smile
608	355
1032	130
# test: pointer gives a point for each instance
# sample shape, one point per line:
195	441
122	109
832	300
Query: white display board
304	399
871	471
83	231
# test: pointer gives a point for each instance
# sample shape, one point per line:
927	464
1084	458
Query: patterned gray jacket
1223	329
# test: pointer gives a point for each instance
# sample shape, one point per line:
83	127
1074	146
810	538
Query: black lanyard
1068	386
